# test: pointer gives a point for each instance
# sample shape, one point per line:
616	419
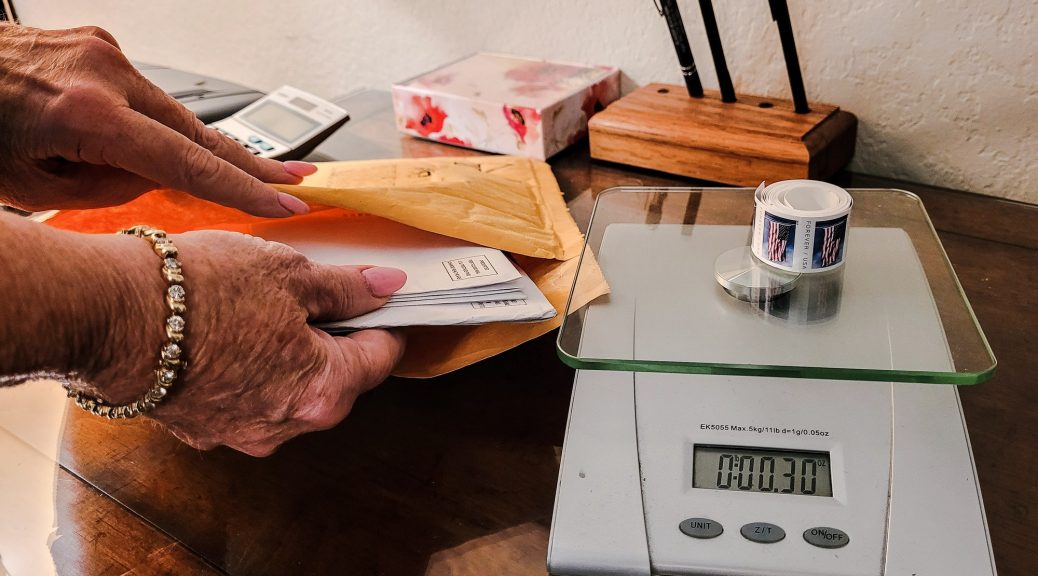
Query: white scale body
904	486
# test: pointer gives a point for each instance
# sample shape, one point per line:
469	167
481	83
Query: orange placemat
173	211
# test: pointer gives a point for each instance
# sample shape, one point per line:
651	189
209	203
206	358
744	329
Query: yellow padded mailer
505	202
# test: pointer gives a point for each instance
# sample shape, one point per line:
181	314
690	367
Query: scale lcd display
742	469
279	121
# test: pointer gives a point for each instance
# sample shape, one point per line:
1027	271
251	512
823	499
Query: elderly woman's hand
80	128
258	372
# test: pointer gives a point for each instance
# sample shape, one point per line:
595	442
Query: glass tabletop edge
778	371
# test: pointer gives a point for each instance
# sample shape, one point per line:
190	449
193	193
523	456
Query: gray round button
701	528
762	532
824	537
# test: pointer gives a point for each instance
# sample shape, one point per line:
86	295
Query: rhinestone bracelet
171	360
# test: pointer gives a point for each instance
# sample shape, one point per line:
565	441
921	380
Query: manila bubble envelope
449	281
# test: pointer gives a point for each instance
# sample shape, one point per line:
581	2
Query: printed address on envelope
471	267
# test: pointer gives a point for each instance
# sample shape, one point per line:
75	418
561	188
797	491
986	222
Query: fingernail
292	204
297	168
383	281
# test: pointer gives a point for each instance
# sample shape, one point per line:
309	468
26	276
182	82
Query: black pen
780	14
669	10
724	80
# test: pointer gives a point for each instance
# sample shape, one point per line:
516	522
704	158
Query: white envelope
534	307
432	262
506	295
474	294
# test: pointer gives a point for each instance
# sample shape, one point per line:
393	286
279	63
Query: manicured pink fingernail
383	281
297	168
292	204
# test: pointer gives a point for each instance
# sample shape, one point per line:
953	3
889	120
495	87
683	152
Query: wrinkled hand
258	374
80	128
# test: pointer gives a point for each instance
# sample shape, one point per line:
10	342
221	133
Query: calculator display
302	103
279	121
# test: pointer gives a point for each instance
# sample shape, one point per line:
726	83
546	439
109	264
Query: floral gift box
505	104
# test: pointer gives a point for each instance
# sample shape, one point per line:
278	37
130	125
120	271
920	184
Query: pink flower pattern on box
453	140
523	121
429	119
534	78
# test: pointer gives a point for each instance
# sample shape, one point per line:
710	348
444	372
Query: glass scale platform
894	312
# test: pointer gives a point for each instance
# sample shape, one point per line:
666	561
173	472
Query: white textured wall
946	92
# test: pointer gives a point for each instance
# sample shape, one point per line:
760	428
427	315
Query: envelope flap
510	203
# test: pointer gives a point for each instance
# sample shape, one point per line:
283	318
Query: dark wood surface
456	475
98	536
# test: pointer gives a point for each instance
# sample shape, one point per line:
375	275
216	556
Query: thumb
341	292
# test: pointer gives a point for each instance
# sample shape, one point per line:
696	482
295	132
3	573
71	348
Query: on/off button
824	537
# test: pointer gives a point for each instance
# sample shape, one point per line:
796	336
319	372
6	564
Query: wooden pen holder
742	143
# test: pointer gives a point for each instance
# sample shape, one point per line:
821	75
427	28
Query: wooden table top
457	474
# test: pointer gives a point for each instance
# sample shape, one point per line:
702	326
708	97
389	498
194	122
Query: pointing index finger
150	149
153	102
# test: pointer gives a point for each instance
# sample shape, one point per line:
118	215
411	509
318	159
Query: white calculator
286	124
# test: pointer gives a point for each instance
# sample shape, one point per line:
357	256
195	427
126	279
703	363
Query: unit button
762	532
826	537
701	528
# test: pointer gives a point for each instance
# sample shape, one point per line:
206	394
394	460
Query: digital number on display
761	470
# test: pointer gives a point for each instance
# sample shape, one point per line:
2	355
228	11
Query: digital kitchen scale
813	433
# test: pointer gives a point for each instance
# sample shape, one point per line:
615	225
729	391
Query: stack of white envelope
449	281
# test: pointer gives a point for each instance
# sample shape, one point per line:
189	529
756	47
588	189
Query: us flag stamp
777	244
829	243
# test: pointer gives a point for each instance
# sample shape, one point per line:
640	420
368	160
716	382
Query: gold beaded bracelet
171	360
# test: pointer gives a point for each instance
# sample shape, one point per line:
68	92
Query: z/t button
762	532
